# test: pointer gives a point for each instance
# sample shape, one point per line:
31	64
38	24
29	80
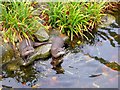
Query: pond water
91	65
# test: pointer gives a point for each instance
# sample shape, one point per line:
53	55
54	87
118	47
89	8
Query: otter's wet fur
57	48
26	47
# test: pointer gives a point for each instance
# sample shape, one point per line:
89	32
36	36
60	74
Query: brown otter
57	48
26	47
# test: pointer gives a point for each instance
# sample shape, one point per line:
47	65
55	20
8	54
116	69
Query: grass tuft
75	18
17	21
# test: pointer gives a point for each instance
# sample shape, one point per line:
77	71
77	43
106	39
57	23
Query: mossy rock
6	53
41	52
41	34
12	65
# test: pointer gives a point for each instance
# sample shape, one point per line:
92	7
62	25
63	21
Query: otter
57	48
26	47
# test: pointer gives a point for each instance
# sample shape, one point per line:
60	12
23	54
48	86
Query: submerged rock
41	34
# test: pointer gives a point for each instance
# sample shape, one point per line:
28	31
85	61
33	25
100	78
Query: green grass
17	21
75	18
72	18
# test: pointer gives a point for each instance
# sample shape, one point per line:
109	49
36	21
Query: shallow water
91	65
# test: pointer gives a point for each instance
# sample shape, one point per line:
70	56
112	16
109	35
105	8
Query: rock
12	65
41	34
7	58
107	20
41	52
57	48
6	53
39	8
56	32
36	12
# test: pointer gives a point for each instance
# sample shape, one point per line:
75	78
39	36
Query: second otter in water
57	48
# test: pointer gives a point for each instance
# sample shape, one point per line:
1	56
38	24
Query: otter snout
57	52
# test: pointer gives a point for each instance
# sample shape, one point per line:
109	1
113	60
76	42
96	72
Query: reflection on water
56	63
105	45
91	65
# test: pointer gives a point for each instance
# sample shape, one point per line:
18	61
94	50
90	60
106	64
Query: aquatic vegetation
75	18
17	21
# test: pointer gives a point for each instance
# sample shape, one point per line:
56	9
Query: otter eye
59	50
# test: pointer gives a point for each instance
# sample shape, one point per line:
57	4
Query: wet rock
40	52
39	7
8	61
57	48
41	34
6	53
107	20
43	51
12	65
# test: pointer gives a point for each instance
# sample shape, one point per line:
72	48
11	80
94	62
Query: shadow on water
25	75
94	64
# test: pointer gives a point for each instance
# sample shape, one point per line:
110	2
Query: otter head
27	51
57	52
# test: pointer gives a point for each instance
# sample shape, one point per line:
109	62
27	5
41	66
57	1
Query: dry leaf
54	78
35	86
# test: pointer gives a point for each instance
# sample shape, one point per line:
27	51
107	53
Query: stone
13	64
36	12
41	52
41	34
107	20
8	58
6	53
